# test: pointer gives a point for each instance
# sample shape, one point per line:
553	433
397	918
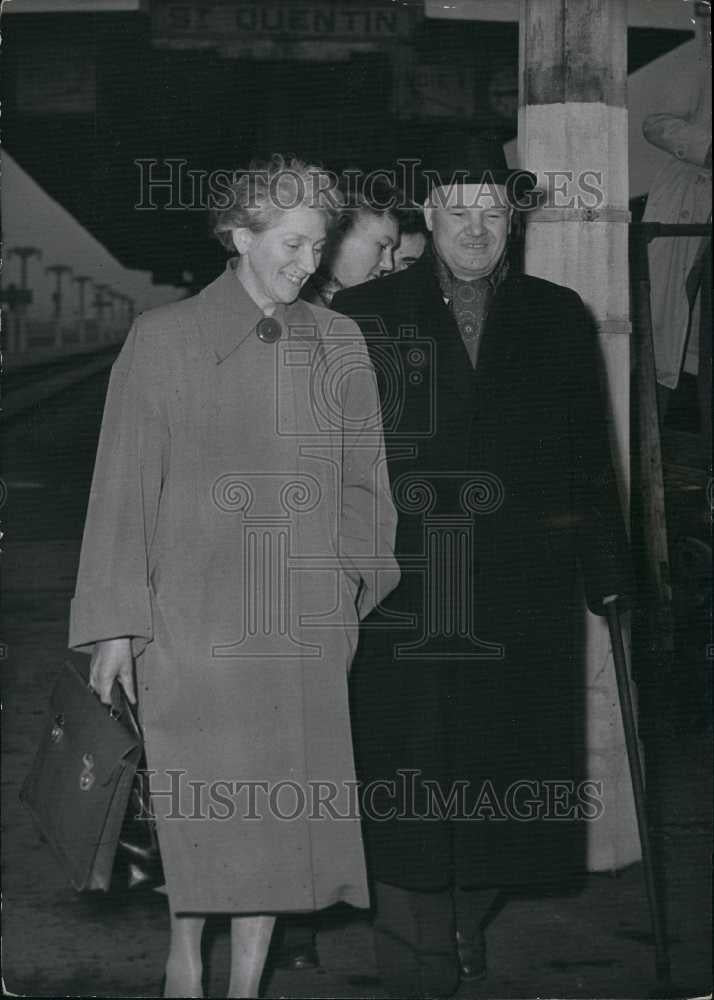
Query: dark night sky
216	113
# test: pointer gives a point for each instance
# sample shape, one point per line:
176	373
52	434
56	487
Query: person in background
413	238
681	193
361	247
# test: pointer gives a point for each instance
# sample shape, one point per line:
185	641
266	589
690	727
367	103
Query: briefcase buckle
87	777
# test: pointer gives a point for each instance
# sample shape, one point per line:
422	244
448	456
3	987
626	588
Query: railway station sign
200	24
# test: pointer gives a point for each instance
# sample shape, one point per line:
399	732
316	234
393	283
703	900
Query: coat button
268	330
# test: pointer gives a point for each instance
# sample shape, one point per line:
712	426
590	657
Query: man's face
409	249
469	224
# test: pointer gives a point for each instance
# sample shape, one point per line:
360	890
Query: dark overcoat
238	511
470	675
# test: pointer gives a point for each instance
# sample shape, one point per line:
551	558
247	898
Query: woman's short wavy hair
257	196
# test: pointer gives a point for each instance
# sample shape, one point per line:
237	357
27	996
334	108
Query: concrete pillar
572	132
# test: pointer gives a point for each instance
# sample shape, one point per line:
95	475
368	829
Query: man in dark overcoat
468	691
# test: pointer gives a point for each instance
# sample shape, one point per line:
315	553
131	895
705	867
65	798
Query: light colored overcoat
240	520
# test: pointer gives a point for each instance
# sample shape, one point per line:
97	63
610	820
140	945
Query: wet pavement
594	942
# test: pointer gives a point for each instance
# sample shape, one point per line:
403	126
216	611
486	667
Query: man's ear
242	239
428	210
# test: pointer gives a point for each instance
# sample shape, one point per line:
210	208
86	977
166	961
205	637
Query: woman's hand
111	661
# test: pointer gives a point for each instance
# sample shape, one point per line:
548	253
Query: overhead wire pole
81	280
101	302
24	253
59	271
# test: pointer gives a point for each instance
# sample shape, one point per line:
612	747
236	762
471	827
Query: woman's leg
250	940
184	968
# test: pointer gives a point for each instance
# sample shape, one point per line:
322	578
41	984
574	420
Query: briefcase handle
121	708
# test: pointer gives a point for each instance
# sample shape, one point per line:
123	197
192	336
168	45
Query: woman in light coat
239	524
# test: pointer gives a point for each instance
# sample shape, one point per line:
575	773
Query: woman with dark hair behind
361	246
413	236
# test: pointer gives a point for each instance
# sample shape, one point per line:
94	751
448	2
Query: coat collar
424	300
228	315
429	298
422	277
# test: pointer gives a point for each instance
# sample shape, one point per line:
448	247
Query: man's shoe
298	958
472	956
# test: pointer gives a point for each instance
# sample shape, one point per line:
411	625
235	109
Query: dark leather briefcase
81	778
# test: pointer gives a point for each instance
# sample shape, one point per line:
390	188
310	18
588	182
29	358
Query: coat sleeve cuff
102	614
682	138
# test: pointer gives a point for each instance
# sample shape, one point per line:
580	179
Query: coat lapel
431	306
432	317
501	349
455	374
499	343
227	315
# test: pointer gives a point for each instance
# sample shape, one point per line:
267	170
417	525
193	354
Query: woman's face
366	251
411	247
275	264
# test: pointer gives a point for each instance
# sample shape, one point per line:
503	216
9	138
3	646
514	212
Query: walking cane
638	787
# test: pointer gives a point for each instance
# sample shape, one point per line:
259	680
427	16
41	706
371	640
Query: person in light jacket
681	193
